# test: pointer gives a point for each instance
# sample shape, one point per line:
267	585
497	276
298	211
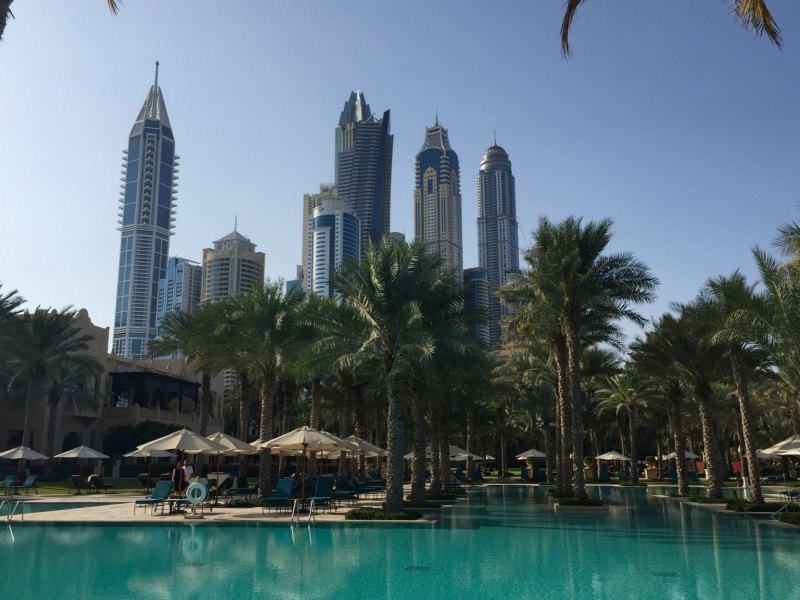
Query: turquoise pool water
35	506
503	542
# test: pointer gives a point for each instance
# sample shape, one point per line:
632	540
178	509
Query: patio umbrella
235	447
81	452
22	453
366	448
304	438
186	441
787	447
149	455
532	453
613	455
766	455
672	455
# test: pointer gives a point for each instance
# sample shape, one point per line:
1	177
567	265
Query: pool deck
119	508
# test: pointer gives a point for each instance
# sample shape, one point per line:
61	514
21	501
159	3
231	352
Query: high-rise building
180	290
437	198
364	166
336	239
476	302
146	218
231	268
498	248
310	202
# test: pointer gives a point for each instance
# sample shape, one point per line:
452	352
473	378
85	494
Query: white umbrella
532	453
366	448
672	455
463	457
186	441
22	453
766	455
305	438
490	457
149	454
234	445
613	455
787	447
81	452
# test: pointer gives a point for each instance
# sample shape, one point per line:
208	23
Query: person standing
188	472
177	478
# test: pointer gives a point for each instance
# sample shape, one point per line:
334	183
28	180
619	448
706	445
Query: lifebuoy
196	493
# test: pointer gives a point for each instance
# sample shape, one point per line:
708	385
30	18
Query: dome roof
495	157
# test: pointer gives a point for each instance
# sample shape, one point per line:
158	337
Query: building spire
155	86
236	222
494	141
437	117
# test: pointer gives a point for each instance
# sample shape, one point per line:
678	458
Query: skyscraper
336	240
498	248
231	268
364	166
476	302
147	209
437	198
180	290
311	202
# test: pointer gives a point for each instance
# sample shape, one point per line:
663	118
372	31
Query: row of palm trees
727	360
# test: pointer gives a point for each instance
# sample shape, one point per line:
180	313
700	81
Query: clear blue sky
670	119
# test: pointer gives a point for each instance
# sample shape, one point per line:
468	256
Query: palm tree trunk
676	420
709	441
268	384
444	454
394	467
470	439
54	396
205	403
577	412
244	406
436	463
548	450
634	457
743	394
565	404
420	462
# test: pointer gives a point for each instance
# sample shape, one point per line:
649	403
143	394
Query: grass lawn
64	486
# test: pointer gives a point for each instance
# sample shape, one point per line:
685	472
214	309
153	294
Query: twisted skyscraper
364	166
147	208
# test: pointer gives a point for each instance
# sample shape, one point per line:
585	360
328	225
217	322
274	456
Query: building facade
231	267
363	158
146	219
476	302
180	290
311	202
437	198
336	239
498	246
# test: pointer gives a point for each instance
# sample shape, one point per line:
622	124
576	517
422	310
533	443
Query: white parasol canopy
81	452
305	438
186	441
234	445
532	453
788	447
149	454
22	452
366	448
672	455
613	455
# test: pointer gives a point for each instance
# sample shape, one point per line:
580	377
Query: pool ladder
312	518
12	511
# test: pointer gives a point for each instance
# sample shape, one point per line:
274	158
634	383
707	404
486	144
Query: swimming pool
35	506
502	542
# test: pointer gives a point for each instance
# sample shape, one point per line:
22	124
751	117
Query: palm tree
380	292
753	14
265	321
627	394
729	295
5	12
46	340
197	336
587	292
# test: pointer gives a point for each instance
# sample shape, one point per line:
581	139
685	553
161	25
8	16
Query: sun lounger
28	484
96	484
323	492
160	495
281	496
7	483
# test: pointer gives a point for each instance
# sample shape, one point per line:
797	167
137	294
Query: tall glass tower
146	219
498	248
364	166
437	198
335	241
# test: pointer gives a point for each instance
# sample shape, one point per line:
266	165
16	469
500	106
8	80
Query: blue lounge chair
281	496
96	484
160	495
8	483
323	492
28	484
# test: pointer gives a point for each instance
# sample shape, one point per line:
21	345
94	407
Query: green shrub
792	518
367	513
556	494
571	501
741	505
241	503
426	504
704	499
